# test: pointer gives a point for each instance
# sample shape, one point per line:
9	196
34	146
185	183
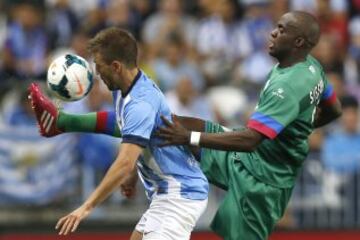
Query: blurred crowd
210	59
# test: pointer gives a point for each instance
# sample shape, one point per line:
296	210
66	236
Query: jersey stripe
110	123
327	92
143	142
331	100
101	121
329	96
265	125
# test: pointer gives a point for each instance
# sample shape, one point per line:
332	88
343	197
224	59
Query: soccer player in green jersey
258	164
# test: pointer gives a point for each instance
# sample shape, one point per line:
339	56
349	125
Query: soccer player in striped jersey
172	178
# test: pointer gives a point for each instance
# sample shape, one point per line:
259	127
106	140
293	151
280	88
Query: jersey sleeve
328	96
278	107
139	121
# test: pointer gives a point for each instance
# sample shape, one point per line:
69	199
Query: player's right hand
70	222
173	133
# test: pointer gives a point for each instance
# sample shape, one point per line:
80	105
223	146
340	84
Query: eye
281	28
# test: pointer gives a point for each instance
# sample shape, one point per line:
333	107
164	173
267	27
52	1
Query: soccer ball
70	77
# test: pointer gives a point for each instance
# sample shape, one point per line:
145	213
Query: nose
274	33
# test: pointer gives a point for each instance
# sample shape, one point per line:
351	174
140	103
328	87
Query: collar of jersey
137	77
282	70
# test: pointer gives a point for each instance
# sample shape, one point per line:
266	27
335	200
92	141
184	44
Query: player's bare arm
191	123
327	113
176	134
120	172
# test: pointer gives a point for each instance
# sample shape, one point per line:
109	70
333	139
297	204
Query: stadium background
210	59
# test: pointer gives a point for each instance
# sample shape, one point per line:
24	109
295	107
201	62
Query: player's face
282	38
105	72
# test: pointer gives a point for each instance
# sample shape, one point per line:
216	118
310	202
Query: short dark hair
309	27
115	44
349	102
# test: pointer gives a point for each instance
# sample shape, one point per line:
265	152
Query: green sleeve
278	107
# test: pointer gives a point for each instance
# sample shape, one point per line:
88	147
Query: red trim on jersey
101	118
330	100
262	128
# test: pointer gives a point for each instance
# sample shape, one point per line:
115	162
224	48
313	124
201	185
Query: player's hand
70	222
174	133
128	188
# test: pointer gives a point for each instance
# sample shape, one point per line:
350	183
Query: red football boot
45	111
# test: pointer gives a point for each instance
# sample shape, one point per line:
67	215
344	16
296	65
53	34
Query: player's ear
116	66
299	42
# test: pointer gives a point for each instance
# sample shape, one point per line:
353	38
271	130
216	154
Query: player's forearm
192	124
241	141
120	172
95	122
323	120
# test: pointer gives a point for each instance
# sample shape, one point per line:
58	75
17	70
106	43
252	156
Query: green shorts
250	208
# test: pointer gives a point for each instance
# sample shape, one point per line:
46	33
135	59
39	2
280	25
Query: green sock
94	122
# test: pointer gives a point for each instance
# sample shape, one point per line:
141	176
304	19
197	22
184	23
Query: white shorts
170	218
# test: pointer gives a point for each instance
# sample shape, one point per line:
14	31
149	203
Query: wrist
195	138
88	206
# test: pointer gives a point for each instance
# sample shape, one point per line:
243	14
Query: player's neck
290	61
129	78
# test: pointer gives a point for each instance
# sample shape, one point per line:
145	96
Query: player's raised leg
52	122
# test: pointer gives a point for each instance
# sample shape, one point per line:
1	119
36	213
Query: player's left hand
70	222
128	188
174	133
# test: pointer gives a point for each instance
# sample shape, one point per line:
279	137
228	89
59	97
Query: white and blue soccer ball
70	77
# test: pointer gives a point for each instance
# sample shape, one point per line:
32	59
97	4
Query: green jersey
285	115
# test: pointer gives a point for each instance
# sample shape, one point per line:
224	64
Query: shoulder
301	77
144	88
143	97
302	72
314	61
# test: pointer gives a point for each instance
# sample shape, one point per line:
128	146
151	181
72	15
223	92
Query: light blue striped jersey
173	170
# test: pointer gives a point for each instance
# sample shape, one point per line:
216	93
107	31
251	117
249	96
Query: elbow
252	148
127	166
253	141
337	110
338	113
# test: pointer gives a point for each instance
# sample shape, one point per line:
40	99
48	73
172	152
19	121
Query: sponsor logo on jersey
279	93
312	69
